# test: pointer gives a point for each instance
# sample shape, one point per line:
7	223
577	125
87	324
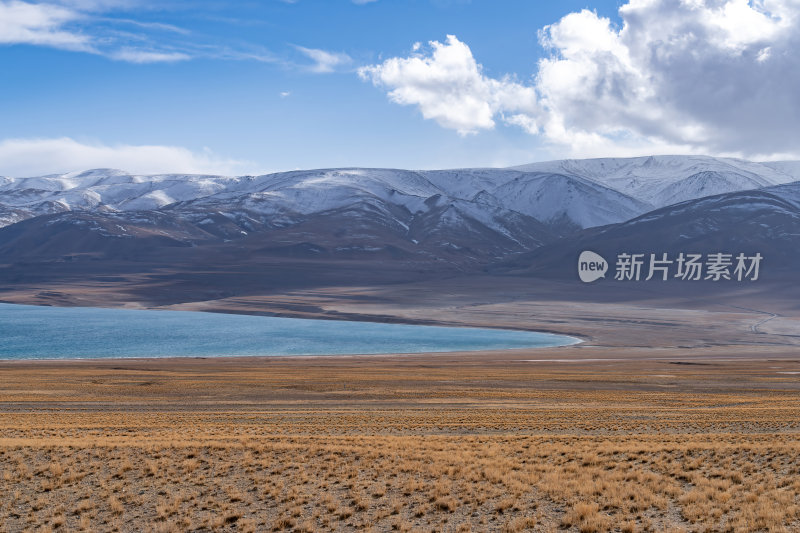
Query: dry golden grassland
424	443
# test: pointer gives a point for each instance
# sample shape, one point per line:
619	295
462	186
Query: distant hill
392	224
765	221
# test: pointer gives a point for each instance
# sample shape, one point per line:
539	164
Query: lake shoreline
50	333
196	307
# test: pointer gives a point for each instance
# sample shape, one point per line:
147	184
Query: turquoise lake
33	332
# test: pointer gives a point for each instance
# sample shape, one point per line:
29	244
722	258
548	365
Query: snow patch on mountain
661	180
563	195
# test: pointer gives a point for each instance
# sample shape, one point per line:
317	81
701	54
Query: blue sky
257	86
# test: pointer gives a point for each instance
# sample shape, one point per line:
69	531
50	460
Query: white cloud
133	55
35	157
40	24
358	2
712	76
160	26
285	94
324	61
95	27
73	26
97	5
449	87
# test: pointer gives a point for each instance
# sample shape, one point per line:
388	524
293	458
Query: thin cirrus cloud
35	157
357	2
703	76
74	26
323	61
133	55
85	26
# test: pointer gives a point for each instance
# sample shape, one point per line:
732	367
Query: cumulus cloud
713	76
449	87
717	76
35	157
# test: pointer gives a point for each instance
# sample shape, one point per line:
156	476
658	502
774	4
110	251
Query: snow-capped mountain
568	202
556	200
791	168
765	221
460	217
335	212
577	193
104	189
562	201
518	209
664	180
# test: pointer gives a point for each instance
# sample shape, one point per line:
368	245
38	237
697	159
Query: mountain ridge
425	220
592	191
